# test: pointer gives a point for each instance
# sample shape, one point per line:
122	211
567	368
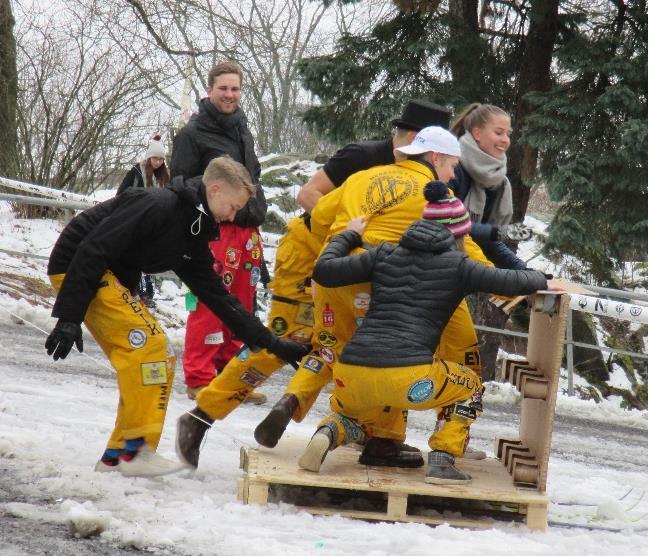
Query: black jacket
147	230
415	287
210	134
496	251
133	178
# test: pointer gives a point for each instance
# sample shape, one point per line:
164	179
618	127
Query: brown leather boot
270	430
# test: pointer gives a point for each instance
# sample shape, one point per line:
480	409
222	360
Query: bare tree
79	112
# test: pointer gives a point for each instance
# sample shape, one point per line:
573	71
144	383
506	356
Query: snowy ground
55	419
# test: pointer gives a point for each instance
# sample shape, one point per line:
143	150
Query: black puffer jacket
416	286
147	230
210	134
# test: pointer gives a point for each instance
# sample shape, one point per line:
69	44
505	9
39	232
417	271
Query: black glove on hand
61	339
291	352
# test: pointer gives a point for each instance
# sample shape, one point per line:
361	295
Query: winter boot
384	452
269	431
441	470
315	452
190	432
147	463
256	398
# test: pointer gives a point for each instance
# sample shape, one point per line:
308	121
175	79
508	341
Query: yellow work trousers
338	312
140	353
249	370
361	393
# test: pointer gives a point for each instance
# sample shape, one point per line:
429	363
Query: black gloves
291	352
59	342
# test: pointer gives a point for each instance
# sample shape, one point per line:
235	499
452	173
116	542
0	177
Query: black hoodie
147	230
211	134
415	287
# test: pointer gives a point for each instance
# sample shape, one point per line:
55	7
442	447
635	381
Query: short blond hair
227	170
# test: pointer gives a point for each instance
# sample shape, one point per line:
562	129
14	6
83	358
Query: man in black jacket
219	128
97	261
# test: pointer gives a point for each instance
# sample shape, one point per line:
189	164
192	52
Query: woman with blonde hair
480	181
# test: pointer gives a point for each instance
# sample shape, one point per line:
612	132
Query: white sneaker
148	464
471	453
315	452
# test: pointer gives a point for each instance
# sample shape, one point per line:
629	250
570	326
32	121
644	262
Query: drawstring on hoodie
198	220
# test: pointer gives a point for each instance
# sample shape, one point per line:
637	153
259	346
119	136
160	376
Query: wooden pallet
526	457
344	487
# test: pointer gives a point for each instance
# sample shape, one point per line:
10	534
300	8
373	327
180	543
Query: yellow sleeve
474	252
325	212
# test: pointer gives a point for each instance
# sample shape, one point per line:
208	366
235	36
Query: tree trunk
535	75
8	91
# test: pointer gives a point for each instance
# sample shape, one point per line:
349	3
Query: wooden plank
257	492
537	517
396	505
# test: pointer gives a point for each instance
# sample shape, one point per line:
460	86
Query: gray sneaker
441	470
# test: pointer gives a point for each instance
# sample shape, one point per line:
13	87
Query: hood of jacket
192	194
427	235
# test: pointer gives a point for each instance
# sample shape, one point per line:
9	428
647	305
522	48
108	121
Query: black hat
421	113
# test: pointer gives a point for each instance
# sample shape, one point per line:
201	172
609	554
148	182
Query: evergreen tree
592	128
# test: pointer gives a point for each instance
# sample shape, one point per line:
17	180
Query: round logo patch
327	339
420	391
327	354
249	244
279	326
243	354
228	278
361	301
255	276
247	265
255	253
137	338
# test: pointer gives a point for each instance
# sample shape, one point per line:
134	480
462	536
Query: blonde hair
475	115
227	170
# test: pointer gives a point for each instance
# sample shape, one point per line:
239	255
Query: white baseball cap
433	139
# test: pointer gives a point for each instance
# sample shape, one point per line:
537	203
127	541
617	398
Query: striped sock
111	456
132	448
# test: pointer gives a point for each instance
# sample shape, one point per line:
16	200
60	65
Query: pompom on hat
446	210
155	148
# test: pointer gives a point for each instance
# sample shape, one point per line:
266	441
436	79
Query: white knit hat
155	148
433	139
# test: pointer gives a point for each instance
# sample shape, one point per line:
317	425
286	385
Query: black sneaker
384	452
269	431
190	432
441	470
